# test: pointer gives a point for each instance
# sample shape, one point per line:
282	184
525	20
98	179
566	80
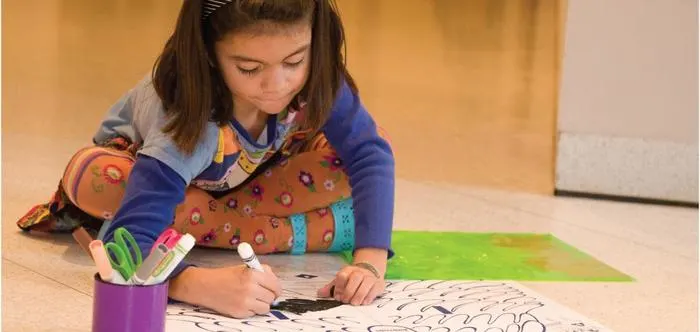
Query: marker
104	267
250	259
169	237
83	238
149	265
171	260
103	229
248	256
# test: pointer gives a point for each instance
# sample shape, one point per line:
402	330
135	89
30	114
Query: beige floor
65	62
47	281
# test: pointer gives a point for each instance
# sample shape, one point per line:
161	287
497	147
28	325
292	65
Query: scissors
125	262
169	238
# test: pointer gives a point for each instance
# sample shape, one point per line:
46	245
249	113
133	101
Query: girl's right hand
236	291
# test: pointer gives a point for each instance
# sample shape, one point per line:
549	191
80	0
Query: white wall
628	108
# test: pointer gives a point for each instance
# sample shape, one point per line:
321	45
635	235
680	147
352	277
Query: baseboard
625	199
627	168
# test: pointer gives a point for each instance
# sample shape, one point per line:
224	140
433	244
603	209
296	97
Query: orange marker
104	267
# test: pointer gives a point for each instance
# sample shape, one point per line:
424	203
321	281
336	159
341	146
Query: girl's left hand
354	285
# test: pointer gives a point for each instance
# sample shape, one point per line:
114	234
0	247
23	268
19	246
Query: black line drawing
407	306
300	306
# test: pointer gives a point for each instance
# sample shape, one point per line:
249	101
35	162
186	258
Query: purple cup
129	308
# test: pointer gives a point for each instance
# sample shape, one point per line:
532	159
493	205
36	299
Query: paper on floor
406	306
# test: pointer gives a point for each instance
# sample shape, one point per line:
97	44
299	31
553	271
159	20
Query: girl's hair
187	80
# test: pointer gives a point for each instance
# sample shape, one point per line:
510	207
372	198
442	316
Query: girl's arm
152	193
369	163
161	173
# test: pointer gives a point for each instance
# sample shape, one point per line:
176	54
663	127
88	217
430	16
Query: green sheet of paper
492	256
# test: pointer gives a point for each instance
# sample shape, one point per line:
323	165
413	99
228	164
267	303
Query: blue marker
442	310
279	315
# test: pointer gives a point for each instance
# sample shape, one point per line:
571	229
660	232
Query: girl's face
264	71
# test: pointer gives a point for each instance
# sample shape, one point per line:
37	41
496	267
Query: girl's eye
245	71
255	70
294	64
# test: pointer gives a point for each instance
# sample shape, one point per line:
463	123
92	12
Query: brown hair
187	81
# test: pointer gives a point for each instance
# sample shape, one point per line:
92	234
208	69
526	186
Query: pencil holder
129	308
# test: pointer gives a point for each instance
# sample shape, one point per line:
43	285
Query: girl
249	129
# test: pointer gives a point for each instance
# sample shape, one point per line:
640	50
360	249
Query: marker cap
245	250
187	242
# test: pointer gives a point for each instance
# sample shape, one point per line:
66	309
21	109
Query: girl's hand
237	291
362	282
354	285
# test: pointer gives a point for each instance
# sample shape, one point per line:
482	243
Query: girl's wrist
374	257
185	285
369	267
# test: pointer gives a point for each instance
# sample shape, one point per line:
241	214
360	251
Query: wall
628	107
465	89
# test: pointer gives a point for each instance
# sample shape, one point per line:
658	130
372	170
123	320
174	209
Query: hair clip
210	6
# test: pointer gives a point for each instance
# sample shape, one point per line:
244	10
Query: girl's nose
273	84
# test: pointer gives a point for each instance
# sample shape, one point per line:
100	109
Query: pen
250	259
149	265
171	260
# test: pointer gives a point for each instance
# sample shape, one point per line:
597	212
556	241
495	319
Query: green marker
171	260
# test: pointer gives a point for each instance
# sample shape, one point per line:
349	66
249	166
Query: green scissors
125	263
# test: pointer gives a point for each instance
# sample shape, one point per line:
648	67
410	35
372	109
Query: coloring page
405	306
